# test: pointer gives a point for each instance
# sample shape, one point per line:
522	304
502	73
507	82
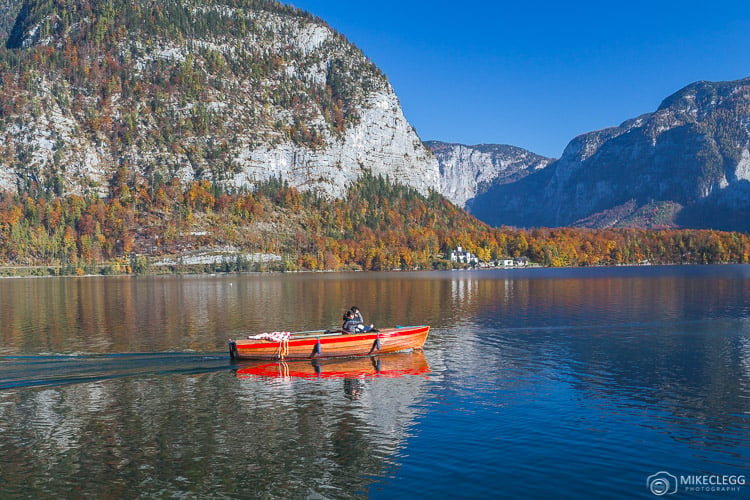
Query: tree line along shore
167	227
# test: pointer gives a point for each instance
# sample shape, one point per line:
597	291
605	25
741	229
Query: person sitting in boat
357	314
352	324
362	327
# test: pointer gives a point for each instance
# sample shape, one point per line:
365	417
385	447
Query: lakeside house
517	262
462	256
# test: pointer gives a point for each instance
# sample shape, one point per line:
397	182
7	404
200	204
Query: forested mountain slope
8	12
231	91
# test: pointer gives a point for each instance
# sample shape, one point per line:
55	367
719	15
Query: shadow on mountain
726	210
18	28
517	204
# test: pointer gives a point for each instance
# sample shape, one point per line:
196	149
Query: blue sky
537	74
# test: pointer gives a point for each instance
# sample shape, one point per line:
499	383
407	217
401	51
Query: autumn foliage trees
378	226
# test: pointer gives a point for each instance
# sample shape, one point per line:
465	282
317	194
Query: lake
539	383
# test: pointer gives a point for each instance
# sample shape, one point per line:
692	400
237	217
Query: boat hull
328	345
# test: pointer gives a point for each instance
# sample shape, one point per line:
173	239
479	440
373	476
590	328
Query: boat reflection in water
388	365
354	371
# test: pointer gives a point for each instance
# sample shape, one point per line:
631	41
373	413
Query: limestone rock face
382	142
466	171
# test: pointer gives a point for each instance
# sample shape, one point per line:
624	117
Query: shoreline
193	270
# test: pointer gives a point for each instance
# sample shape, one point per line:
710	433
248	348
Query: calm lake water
574	383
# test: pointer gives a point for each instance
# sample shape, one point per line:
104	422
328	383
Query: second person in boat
353	324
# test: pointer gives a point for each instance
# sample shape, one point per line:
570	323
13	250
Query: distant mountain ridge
232	91
685	165
469	171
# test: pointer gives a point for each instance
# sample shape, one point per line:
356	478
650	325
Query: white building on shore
464	257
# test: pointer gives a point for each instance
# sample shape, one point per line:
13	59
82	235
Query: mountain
231	91
97	95
685	165
469	171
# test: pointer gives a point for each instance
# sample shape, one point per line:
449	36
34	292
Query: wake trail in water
54	370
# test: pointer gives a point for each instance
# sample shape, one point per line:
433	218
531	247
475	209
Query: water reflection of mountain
623	339
178	313
204	435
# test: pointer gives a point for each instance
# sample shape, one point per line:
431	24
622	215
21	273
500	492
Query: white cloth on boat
272	336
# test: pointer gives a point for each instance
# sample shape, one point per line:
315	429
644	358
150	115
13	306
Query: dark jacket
350	325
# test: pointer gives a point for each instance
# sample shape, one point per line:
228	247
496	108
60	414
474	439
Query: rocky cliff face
468	171
684	165
234	91
381	142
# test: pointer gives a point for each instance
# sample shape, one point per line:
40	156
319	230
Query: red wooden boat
393	365
327	344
